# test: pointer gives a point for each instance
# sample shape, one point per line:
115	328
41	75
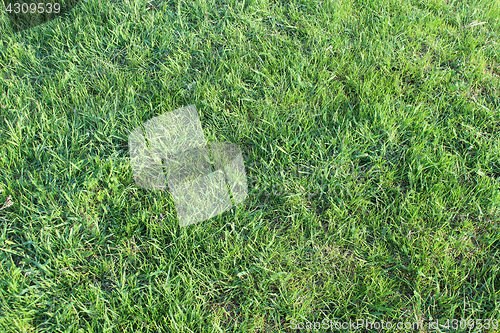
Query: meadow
370	131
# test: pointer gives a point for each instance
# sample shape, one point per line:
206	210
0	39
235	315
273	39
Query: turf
371	138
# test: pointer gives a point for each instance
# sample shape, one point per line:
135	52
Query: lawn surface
371	137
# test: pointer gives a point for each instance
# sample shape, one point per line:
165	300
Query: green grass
371	137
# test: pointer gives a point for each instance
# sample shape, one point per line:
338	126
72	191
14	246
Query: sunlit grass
370	133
